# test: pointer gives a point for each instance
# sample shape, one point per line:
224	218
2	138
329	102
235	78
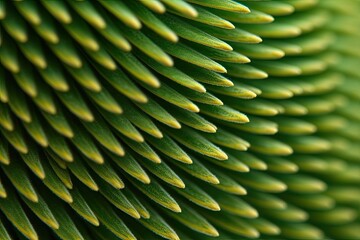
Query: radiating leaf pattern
179	119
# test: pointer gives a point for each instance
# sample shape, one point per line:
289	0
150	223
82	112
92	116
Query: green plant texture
179	119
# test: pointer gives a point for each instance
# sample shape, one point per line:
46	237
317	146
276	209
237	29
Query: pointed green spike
197	195
158	194
237	91
9	56
15	26
67	229
33	51
227	5
193	120
301	231
82	34
155	110
123	13
80	171
55	159
227	139
121	82
62	173
196	142
232	224
257	107
59	10
250	160
164	172
13	211
3	233
81	206
19	178
256	126
75	103
309	144
54	183
280	165
303	183
58	144
112	33
274	90
224	113
3	193
109	218
205	75
295	126
66	51
182	7
194	34
235	205
122	125
202	97
54	76
169	147
42	210
2	16
4	153
189	55
46	29
26	80
59	123
290	214
175	75
32	160
155	6
268	145
207	17
193	220
102	57
262	182
135	67
245	71
36	131
147	46
273	8
106	172
227	183
16	139
232	163
253	17
130	166
4	95
6	120
86	145
134	200
85	77
158	225
102	133
221	55
118	199
143	149
89	13
238	35
264	226
311	202
45	100
198	170
265	200
151	21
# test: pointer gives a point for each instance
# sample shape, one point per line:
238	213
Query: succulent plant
174	119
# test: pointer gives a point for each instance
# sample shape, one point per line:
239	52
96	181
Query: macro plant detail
179	119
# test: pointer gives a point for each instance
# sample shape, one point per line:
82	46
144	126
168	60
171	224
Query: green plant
188	119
